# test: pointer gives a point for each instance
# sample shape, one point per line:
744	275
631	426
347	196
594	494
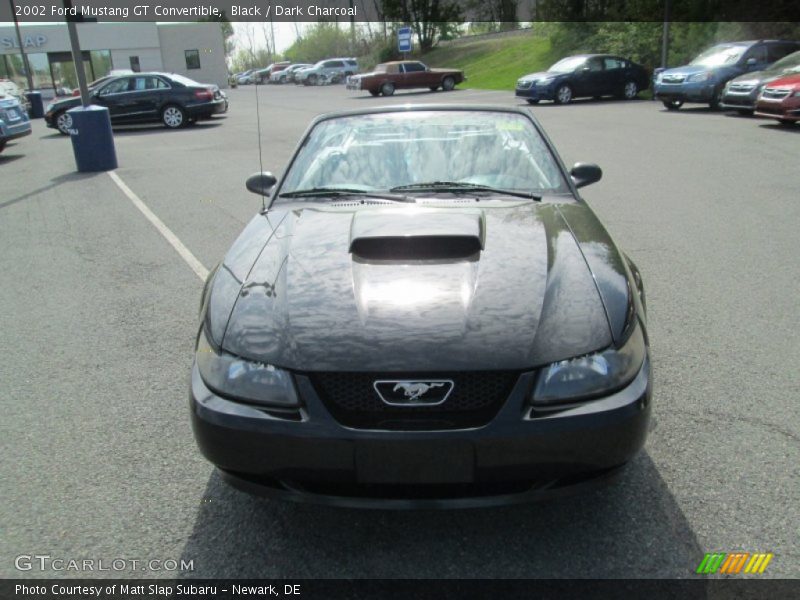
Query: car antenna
260	160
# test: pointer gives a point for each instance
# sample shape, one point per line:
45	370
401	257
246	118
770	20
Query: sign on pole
404	39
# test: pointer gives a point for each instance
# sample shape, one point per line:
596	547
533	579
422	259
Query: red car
404	74
780	100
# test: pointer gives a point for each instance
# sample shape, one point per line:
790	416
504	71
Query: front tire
448	83
630	90
3	145
374	93
786	122
63	123
533	101
433	88
173	117
387	89
672	104
716	99
311	80
563	94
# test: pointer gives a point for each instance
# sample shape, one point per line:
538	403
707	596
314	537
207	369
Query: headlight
546	81
243	379
705	76
796	94
591	375
49	108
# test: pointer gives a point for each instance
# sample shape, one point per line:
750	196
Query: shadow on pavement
150	128
7	157
56	181
793	128
632	528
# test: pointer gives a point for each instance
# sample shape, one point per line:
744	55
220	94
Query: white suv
331	70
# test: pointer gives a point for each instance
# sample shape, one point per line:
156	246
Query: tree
430	19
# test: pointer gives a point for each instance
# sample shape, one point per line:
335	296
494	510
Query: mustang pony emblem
414	390
414	393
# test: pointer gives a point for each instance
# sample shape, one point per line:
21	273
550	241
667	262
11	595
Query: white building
195	50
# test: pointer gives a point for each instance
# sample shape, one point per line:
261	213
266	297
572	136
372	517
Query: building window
192	59
135	64
101	63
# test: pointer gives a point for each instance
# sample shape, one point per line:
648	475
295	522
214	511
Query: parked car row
756	76
287	75
172	99
332	70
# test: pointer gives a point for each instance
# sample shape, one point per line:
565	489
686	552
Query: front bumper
701	91
517	456
535	92
739	101
786	109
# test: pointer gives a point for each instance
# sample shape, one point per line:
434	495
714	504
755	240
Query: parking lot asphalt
98	314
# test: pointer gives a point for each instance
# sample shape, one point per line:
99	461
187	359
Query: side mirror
751	61
261	183
585	173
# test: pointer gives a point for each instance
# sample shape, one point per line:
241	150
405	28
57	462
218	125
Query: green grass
494	64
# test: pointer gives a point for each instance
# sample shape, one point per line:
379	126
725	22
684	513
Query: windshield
384	151
567	65
724	54
788	63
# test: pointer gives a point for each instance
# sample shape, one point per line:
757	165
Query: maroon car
780	99
404	74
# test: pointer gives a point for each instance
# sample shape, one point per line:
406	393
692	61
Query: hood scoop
416	234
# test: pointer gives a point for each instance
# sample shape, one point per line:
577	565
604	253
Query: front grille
741	88
475	399
775	93
672	79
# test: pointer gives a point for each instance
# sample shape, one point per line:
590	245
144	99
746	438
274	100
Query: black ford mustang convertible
425	314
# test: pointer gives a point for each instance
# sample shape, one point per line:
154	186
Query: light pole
665	35
25	64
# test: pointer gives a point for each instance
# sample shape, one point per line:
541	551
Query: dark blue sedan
585	75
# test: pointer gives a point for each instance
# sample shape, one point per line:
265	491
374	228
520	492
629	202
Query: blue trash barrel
92	139
37	105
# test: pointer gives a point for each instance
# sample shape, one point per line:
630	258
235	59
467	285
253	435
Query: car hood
542	75
691	70
505	287
70	102
759	77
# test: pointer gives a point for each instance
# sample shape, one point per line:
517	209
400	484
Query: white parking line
180	248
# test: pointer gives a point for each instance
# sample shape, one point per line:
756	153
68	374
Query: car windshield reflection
400	149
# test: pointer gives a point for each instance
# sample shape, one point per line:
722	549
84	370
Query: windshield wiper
462	186
321	192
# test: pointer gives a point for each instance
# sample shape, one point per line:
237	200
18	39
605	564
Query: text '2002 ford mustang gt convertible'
425	314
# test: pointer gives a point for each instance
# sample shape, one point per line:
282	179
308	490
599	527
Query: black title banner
326	589
398	10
